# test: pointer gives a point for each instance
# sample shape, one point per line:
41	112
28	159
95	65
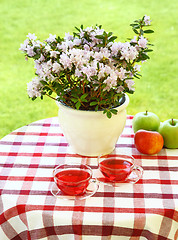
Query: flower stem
50	97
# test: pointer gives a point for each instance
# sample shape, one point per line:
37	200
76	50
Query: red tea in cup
72	180
118	168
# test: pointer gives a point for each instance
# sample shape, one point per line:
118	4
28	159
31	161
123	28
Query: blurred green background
156	91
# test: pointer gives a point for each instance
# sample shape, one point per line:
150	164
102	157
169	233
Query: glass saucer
134	175
91	190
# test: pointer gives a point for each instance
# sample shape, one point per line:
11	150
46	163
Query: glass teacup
119	169
73	181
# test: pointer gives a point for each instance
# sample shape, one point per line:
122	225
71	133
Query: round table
28	210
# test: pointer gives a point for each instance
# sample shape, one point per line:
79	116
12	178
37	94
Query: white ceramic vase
92	133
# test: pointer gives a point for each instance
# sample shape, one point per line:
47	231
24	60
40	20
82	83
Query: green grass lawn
156	91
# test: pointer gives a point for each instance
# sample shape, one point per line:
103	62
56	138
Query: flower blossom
33	88
32	36
134	40
76	41
102	54
38	67
130	84
89	70
68	37
120	89
122	73
56	67
54	53
129	53
30	51
52	38
111	81
65	61
137	68
147	20
116	46
142	42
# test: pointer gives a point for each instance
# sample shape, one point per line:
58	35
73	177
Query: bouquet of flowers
88	70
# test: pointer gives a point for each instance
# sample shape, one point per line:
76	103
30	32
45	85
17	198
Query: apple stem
172	122
146	112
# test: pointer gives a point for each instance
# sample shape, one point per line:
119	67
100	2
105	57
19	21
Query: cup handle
135	175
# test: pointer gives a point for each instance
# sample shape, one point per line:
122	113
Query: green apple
145	120
169	130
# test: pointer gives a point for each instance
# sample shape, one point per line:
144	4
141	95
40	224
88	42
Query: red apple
148	142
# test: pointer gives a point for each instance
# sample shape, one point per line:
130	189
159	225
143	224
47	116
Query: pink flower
31	36
147	20
130	83
142	42
56	67
122	73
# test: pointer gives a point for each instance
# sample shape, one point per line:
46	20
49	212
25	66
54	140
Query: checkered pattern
145	210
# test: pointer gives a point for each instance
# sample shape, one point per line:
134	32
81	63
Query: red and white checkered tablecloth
28	210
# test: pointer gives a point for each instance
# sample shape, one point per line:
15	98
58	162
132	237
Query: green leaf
74	95
148	31
112	39
84	96
109	114
96	108
109	34
114	111
99	36
100	45
148	50
144	56
43	82
74	100
93	103
136	76
135	31
77	29
78	104
150	44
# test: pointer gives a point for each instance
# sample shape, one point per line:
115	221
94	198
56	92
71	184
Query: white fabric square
88	218
125	188
62	218
17	224
8	202
124	202
124	220
36	199
152	188
51	161
44	172
17	172
151	175
153	222
25	160
94	201
35	219
40	186
153	203
11	186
